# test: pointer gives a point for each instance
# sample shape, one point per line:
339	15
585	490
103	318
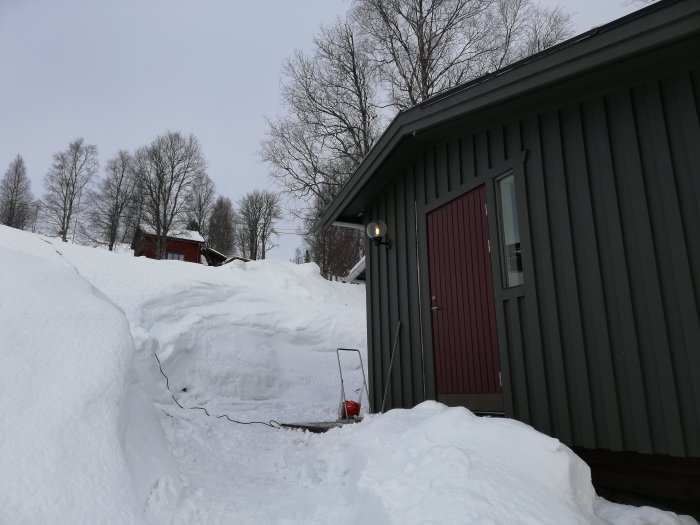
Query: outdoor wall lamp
376	231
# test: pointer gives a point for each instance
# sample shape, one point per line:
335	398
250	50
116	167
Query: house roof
235	258
181	235
215	252
657	25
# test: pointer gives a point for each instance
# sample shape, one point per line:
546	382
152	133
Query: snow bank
259	333
628	515
264	333
440	465
435	464
83	325
91	434
65	357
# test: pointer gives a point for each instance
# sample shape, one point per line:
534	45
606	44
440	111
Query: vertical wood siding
601	345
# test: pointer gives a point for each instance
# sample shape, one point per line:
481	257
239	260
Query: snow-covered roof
357	273
216	252
187	235
184	235
235	258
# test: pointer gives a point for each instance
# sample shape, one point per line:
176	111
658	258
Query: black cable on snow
271	423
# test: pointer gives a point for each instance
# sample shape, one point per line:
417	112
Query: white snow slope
91	434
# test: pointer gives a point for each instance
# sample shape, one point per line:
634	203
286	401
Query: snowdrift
435	464
65	353
91	433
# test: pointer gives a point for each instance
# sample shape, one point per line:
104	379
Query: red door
465	344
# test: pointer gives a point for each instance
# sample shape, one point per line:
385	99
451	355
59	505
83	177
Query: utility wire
271	423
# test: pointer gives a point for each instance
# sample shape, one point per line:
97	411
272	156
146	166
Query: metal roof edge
356	270
594	31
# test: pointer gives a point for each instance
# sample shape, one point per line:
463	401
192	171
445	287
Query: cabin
536	246
183	245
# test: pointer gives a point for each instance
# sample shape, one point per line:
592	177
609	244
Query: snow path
255	473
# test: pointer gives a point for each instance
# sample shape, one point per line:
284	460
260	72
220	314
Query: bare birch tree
404	51
545	27
426	46
200	202
332	117
423	47
133	213
71	172
113	195
335	250
35	209
257	215
221	227
15	195
167	168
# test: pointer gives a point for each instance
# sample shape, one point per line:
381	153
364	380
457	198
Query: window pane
510	232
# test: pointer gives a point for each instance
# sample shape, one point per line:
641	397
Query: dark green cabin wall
602	347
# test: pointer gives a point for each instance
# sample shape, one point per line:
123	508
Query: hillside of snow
93	432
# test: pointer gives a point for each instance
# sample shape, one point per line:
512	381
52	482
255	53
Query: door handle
435	308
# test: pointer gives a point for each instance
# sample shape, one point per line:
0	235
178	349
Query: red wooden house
180	246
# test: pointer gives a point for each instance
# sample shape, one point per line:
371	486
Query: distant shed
545	246
213	257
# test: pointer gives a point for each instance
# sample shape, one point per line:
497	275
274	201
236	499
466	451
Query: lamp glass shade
376	230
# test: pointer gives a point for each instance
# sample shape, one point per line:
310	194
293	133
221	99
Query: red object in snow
349	409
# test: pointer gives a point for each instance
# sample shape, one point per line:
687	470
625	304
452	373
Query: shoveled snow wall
65	362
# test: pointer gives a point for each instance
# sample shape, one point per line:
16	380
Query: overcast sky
120	72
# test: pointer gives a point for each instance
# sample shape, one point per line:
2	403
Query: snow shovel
350	409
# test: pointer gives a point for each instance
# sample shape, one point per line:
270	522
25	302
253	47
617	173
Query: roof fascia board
354	225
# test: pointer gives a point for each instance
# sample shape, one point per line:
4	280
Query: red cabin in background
180	246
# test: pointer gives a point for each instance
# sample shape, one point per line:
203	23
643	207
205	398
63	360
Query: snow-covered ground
91	434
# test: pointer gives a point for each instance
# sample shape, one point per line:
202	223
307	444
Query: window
510	231
175	256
